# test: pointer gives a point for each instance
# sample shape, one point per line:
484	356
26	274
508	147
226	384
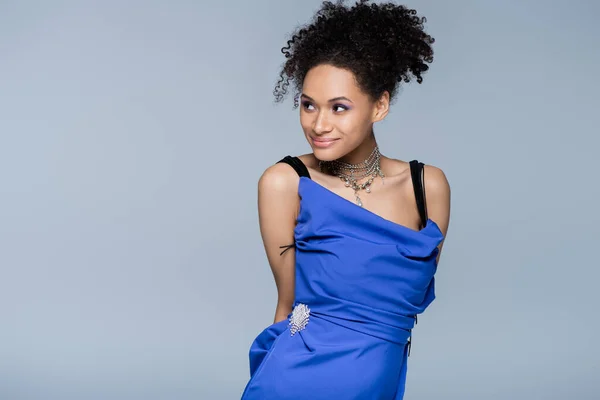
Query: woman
351	241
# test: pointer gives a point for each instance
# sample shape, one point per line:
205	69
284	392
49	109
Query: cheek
305	123
352	124
303	119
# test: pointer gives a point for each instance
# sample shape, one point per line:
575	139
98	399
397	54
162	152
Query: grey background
132	135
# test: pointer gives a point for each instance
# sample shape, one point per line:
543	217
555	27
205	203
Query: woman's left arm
437	197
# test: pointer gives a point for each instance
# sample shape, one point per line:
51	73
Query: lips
323	140
323	143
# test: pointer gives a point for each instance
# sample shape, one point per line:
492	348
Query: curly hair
382	44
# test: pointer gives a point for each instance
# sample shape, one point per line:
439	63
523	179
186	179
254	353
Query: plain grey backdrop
132	136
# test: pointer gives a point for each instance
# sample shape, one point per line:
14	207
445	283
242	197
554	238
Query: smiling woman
366	243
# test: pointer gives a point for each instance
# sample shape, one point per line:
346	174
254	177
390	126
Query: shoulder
277	178
437	194
434	177
435	180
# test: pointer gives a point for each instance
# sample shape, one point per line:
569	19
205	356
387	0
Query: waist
382	324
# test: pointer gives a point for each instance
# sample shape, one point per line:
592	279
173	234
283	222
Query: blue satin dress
360	282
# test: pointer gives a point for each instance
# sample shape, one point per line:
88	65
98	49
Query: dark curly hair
382	44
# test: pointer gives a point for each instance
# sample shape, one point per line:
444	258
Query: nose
321	124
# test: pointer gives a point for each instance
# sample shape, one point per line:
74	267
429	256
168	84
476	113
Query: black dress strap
297	164
417	173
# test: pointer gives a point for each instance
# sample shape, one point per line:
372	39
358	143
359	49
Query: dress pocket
263	344
260	351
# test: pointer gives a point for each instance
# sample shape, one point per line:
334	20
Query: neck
362	152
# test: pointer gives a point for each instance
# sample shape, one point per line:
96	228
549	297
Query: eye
306	104
340	106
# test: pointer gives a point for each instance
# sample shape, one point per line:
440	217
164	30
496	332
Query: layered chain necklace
350	174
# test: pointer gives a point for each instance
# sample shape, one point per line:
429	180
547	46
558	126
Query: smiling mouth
322	142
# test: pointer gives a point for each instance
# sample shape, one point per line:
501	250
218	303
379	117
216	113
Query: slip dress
360	282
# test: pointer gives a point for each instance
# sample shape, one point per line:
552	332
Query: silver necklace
350	174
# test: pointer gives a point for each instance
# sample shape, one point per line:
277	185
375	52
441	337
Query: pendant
358	201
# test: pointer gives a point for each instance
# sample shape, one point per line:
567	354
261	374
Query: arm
437	192
278	205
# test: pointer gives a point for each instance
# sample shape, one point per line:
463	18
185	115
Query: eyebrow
330	100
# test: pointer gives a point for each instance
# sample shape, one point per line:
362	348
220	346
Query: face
335	114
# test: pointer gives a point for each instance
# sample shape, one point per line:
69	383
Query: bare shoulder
437	193
278	178
436	182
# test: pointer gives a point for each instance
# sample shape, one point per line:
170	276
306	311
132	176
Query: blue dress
360	282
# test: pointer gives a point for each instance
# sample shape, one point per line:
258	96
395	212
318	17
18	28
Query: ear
381	107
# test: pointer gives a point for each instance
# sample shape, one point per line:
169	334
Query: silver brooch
299	318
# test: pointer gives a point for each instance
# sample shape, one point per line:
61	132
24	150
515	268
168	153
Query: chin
326	154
